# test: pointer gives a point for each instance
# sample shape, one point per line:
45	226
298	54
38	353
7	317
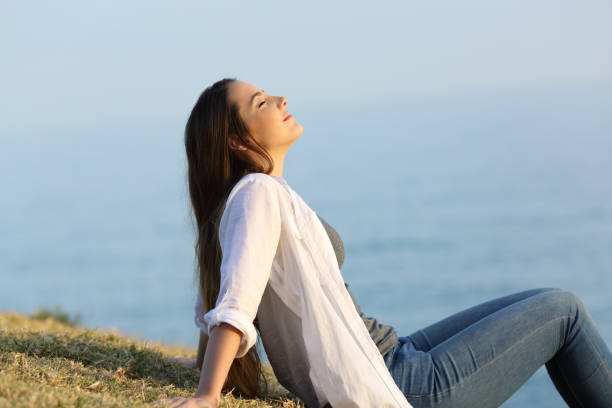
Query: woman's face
265	116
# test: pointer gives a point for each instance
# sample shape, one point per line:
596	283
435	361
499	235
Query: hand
202	402
188	363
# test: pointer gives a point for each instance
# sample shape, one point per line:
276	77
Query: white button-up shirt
269	235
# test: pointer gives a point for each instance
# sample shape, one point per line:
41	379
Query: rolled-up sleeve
249	233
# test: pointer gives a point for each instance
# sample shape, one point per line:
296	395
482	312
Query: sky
85	86
76	65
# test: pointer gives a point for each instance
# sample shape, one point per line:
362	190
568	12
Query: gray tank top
281	335
384	336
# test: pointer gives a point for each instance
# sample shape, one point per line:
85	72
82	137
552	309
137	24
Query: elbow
237	322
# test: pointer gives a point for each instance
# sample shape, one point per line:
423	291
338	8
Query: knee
566	302
551	289
572	299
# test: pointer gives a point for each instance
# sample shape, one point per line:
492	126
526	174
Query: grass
46	360
58	314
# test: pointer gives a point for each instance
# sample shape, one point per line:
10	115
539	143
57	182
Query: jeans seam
601	359
569	384
487	364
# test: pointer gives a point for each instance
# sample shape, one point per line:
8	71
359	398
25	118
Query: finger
166	401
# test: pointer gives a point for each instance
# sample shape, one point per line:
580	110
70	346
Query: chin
297	136
299	131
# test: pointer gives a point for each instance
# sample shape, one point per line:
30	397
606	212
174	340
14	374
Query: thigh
432	335
486	362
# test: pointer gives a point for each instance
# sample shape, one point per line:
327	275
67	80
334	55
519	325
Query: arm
222	348
220	353
249	234
224	341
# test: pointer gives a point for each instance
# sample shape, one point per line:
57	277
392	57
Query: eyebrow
254	95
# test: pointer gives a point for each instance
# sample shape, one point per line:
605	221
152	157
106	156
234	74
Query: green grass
58	314
48	361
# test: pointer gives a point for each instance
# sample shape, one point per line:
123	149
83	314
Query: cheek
269	124
265	128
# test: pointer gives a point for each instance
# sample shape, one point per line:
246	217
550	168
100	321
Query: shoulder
259	178
256	183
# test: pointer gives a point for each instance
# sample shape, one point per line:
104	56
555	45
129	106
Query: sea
442	202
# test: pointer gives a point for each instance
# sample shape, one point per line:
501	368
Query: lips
287	117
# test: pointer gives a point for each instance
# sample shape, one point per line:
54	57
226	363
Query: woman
268	262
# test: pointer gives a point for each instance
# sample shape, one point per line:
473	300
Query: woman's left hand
203	402
188	363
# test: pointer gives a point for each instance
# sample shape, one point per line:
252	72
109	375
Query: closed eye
259	106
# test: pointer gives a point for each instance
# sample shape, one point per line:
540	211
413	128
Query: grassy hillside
47	361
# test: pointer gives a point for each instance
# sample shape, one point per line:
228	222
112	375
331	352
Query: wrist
214	399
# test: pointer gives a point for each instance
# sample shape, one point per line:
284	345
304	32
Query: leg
435	334
487	361
582	370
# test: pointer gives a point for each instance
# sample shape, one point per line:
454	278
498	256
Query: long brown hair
213	169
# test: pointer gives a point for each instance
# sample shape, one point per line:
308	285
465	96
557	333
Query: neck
279	162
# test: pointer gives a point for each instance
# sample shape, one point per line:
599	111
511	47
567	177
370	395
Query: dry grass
45	362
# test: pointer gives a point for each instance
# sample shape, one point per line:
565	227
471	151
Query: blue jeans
479	357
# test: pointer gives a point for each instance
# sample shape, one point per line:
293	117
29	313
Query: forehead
240	92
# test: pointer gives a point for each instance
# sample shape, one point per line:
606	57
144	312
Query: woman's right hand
201	402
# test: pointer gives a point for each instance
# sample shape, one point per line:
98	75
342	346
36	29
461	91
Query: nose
283	101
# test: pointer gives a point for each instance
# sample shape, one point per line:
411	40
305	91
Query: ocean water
442	203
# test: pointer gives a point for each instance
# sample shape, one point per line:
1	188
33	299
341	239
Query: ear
235	144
